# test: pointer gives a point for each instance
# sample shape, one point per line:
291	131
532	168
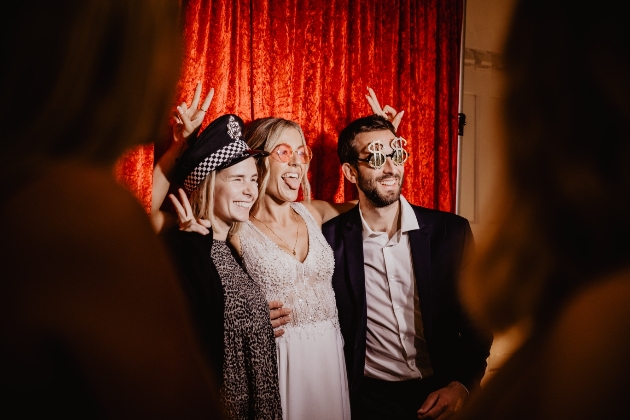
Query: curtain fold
312	61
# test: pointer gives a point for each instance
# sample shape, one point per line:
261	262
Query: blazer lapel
420	241
353	245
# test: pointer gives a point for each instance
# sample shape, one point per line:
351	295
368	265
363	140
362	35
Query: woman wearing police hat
219	181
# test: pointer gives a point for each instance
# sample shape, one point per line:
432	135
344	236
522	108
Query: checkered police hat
217	147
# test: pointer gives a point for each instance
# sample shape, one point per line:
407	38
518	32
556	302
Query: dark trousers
387	400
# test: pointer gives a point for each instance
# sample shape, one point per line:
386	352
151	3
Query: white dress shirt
396	349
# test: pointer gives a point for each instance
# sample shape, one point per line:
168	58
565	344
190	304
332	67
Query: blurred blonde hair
85	79
563	214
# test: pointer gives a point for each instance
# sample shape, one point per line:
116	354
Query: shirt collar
408	220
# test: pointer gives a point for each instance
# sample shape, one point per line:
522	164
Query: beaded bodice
305	287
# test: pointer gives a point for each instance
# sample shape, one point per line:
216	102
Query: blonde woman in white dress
285	252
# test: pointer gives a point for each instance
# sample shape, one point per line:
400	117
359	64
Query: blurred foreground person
558	266
94	323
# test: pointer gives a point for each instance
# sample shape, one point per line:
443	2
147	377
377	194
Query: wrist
169	158
457	384
175	150
177	145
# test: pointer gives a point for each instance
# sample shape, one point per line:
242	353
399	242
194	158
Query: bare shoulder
105	232
316	209
83	200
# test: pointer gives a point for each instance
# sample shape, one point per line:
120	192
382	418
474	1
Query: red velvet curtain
311	61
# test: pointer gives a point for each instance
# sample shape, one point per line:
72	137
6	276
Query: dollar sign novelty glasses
376	159
283	153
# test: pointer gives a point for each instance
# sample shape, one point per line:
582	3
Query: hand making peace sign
187	221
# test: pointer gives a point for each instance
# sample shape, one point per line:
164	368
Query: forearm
325	210
162	171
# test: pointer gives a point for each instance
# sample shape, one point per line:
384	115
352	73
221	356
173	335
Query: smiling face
381	187
285	178
235	191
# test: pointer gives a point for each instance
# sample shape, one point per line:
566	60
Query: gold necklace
297	231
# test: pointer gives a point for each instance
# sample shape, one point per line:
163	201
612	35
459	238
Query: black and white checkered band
215	160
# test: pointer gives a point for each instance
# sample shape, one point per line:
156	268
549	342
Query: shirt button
412	363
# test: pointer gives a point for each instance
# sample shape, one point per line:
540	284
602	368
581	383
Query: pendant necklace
297	231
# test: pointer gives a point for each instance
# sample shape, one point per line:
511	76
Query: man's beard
368	186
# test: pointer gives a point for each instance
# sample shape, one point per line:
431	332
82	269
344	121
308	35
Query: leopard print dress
250	374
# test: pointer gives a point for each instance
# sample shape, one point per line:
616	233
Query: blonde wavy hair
202	198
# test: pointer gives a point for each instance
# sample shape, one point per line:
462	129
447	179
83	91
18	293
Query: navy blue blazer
458	351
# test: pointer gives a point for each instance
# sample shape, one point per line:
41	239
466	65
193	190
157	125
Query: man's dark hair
345	146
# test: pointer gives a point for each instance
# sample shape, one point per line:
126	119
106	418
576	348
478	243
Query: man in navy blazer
410	350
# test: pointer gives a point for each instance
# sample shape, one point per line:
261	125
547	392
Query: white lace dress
311	366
